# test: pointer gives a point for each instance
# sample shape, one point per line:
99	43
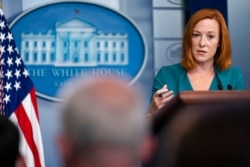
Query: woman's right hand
160	98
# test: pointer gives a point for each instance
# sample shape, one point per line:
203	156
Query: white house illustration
74	43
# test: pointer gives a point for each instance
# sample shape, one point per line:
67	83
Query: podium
200	100
203	110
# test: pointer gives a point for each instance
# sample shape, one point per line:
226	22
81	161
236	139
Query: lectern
185	110
197	101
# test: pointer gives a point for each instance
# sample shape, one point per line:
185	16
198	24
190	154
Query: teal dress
176	79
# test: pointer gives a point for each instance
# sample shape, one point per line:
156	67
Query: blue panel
194	5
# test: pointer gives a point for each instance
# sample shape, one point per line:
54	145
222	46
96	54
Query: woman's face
205	41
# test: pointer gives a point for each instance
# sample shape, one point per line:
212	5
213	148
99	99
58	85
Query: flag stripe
26	127
31	114
34	102
24	148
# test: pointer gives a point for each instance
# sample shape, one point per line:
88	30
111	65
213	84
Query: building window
52	57
98	57
35	57
76	58
122	44
65	44
44	44
26	44
114	57
106	57
122	57
53	44
86	57
43	56
85	44
98	44
76	44
106	44
35	44
65	57
26	56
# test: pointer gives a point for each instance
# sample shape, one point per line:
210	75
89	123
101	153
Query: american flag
18	98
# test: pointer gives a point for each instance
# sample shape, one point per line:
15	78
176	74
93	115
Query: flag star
10	49
18	61
8	74
2	61
6	98
16	50
2	25
17	85
17	73
8	86
9	36
25	73
2	49
9	61
2	37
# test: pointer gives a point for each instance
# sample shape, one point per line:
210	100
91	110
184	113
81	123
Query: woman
205	63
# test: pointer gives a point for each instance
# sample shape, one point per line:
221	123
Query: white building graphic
74	43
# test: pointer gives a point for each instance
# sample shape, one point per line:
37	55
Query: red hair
223	55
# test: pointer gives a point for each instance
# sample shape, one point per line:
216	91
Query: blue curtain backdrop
192	6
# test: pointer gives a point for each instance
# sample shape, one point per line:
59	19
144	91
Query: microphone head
229	87
220	87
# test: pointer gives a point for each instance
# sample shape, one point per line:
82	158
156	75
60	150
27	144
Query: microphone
229	87
220	87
